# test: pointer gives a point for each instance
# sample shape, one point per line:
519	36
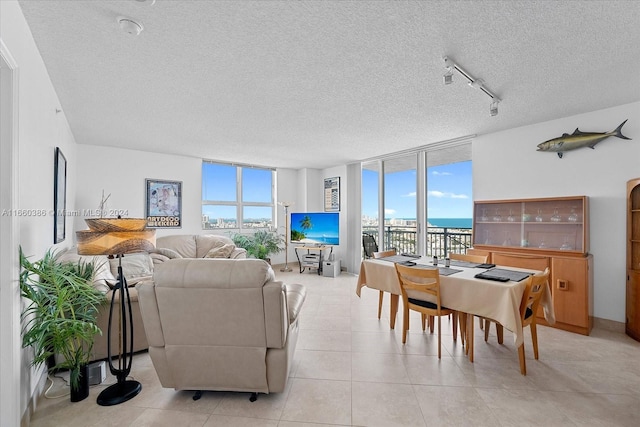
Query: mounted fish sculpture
579	139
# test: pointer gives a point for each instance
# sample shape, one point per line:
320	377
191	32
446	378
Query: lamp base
286	268
119	392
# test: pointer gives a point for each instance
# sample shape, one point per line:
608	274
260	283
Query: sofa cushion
206	242
185	245
169	253
135	267
223	251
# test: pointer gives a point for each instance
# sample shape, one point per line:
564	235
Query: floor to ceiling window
424	197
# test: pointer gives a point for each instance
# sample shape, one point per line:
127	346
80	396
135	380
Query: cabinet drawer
533	262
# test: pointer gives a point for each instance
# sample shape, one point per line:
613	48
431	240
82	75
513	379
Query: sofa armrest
296	294
276	322
150	315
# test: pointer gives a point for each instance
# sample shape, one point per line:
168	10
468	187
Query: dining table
460	290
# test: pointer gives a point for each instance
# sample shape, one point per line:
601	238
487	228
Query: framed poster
163	204
59	196
332	194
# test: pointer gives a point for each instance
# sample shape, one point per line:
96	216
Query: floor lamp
116	237
286	205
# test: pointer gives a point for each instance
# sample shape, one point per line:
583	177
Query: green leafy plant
260	244
60	313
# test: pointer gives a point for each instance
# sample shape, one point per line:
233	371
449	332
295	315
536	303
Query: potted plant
260	244
60	316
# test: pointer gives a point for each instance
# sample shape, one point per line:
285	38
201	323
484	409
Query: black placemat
514	275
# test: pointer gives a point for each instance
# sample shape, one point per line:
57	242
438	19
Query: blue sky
448	192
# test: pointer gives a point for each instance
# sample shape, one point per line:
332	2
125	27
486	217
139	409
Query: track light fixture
450	65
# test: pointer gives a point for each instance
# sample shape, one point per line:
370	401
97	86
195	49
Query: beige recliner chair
220	324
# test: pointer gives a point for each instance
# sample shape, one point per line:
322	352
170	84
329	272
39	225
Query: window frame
239	203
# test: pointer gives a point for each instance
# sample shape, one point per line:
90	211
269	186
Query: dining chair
528	309
479	259
383	254
425	283
369	245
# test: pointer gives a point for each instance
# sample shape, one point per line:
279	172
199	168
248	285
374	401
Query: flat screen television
315	227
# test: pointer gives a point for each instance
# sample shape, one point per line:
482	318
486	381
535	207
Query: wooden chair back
480	259
531	297
426	280
384	254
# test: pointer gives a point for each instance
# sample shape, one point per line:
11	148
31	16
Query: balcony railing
440	241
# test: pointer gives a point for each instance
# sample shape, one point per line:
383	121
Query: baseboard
34	401
608	325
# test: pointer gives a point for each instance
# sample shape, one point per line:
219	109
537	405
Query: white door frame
10	344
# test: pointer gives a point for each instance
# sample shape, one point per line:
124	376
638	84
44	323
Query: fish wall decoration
579	139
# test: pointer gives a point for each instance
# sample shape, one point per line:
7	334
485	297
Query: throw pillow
221	252
135	267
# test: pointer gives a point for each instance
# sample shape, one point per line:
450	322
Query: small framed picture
163	208
332	194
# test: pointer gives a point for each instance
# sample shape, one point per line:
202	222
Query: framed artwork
59	196
332	194
163	208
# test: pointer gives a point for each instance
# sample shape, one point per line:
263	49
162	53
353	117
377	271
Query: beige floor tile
325	340
430	370
375	342
324	365
586	409
227	421
350	368
524	407
168	418
454	406
385	405
318	401
379	368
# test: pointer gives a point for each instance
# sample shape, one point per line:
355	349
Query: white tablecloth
461	291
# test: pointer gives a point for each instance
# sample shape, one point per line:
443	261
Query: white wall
506	165
40	130
123	176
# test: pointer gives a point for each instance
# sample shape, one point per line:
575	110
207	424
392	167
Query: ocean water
451	222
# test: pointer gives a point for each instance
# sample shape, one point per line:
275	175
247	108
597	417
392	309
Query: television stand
313	256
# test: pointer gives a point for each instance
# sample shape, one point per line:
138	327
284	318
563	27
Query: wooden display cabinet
533	225
543	233
632	324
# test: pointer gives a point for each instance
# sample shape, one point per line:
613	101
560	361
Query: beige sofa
138	267
220	325
196	246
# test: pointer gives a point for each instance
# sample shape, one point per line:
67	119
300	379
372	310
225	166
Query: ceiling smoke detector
130	26
148	2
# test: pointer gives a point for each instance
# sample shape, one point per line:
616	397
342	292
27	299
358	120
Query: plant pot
81	391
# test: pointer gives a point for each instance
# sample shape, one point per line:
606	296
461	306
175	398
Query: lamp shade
112	236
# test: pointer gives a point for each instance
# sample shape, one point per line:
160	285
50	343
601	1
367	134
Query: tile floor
351	369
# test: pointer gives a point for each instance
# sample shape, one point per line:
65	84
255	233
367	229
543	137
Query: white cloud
441	173
441	194
389	212
412	194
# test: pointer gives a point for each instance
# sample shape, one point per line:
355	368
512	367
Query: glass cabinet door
556	224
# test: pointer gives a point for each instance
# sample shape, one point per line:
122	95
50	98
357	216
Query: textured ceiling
322	83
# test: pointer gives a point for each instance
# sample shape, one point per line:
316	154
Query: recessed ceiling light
148	2
130	26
